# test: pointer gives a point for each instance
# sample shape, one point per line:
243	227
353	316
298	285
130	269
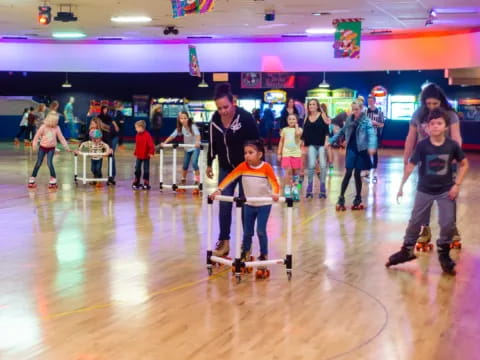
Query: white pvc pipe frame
238	233
174	185
84	178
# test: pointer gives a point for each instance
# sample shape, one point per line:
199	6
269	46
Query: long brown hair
323	106
189	123
318	106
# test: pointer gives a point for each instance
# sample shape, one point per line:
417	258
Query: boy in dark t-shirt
435	155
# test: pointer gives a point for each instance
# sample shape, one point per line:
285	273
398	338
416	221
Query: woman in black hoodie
230	128
110	137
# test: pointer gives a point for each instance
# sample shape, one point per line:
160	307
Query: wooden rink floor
97	274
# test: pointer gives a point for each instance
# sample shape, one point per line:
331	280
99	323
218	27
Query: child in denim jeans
191	136
258	180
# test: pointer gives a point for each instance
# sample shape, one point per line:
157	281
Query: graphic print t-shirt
435	173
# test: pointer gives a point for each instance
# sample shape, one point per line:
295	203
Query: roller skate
27	143
136	185
323	192
246	256
146	185
287	191
357	203
341	203
424	240
404	255
222	248
295	193
456	240
196	191
262	271
31	183
183	182
16	141
446	262
99	185
111	181
309	193
52	185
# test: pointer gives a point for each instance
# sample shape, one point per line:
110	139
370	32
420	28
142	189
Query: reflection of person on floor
361	142
432	97
258	180
435	155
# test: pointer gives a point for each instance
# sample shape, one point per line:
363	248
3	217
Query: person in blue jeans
230	128
191	136
361	143
259	181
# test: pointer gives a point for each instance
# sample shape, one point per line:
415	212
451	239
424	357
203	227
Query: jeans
317	152
225	208
21	132
191	155
97	168
250	214
421	215
41	155
146	170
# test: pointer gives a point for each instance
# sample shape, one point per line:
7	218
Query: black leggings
358	181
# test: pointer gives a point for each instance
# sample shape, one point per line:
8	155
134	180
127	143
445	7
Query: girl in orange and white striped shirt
258	180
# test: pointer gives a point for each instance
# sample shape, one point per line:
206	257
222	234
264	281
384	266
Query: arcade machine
323	96
401	107
170	109
342	100
278	98
381	96
249	104
469	109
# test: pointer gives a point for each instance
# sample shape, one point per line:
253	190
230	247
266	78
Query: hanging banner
193	61
251	80
187	7
347	38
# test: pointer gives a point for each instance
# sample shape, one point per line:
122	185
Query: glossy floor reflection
117	274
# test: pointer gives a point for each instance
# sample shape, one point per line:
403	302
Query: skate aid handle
93	154
250	200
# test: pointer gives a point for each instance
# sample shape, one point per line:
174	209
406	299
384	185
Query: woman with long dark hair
432	97
230	128
110	137
289	109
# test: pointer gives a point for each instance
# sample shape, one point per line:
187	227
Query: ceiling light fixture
203	83
320	31
324	84
68	35
66	84
131	19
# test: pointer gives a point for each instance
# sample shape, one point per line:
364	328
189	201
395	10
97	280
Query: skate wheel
210	271
430	247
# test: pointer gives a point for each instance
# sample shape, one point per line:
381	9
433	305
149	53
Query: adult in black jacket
230	128
289	109
110	137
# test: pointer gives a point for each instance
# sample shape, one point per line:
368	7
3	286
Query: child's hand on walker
215	194
275	197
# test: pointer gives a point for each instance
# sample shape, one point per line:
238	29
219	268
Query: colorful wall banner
251	80
193	61
347	38
187	7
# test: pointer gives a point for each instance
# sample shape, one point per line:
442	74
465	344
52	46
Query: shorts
290	162
358	160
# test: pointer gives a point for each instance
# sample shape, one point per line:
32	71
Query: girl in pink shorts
290	153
